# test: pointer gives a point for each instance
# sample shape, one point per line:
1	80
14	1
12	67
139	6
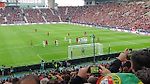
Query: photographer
84	72
81	76
140	66
117	64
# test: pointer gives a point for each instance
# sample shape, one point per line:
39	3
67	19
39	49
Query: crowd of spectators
16	15
134	66
49	15
11	15
120	15
33	16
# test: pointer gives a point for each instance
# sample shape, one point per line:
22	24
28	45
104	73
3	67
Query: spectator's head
53	82
92	80
44	80
66	78
140	59
30	79
15	80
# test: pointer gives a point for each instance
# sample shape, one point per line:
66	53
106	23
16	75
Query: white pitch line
39	56
131	42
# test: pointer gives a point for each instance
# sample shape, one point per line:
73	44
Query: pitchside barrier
73	62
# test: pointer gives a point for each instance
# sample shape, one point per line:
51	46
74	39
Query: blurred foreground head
30	79
140	61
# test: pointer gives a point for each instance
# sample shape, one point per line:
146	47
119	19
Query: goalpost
84	50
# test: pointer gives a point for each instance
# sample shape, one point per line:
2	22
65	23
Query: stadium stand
1	16
12	15
119	15
62	11
1	20
49	15
114	15
33	16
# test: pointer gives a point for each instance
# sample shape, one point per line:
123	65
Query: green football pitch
21	45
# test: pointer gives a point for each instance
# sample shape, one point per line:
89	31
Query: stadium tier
128	16
123	15
77	45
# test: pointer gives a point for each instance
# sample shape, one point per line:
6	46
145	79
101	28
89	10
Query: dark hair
127	64
140	59
15	80
30	78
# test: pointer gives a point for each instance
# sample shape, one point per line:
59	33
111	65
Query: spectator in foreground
117	64
81	76
30	79
140	64
140	61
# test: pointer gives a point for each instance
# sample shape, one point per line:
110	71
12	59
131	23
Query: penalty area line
39	56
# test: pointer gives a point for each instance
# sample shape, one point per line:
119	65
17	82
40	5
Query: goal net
84	50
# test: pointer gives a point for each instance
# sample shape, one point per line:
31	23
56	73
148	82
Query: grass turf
16	49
